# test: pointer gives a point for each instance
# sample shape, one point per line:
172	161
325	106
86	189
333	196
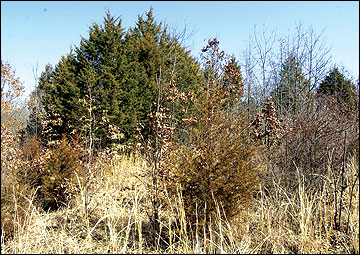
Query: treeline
218	126
110	80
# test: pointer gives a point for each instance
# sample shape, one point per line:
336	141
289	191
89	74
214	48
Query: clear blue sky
40	32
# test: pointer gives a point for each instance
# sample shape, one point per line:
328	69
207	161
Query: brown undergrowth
278	221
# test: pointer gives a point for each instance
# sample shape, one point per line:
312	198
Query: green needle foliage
109	79
290	94
338	86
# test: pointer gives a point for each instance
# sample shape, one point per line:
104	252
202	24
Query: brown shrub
222	171
216	165
15	189
315	137
58	173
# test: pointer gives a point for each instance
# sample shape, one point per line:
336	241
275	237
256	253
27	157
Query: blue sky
34	33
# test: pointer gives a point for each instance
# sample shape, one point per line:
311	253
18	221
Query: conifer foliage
338	86
290	94
114	71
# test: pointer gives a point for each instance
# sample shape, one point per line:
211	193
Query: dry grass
119	222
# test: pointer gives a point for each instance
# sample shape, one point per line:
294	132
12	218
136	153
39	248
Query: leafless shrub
309	140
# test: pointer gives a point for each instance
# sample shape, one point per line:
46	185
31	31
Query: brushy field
119	205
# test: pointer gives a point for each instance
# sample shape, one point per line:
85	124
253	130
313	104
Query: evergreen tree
102	69
61	97
87	78
34	127
109	80
153	54
143	47
290	94
337	85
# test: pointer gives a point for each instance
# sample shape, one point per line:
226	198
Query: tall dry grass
120	204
